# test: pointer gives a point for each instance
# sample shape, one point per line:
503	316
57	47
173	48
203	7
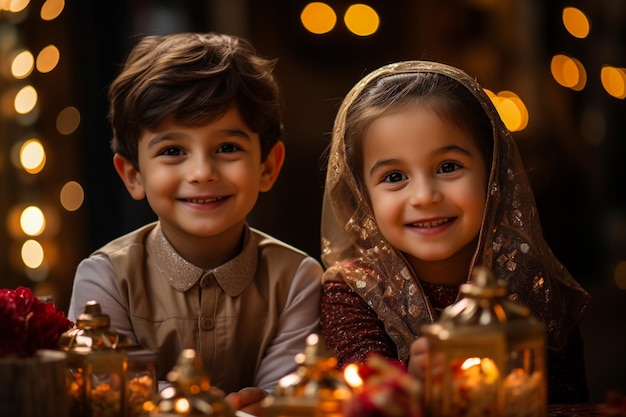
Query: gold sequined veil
511	242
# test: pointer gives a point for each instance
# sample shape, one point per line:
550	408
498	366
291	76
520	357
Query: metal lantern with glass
109	375
316	389
486	355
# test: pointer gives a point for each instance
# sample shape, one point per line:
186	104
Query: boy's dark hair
193	78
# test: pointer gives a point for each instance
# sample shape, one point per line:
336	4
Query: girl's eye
393	177
228	148
171	151
448	167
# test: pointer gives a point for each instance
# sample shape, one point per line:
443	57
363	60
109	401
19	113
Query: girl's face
426	180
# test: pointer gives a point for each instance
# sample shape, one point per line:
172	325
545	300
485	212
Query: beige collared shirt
247	318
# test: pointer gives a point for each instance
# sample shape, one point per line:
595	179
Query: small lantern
316	389
486	355
188	393
109	375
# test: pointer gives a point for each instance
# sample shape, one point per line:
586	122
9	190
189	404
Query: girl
425	182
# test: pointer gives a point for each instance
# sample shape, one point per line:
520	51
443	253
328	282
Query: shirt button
207	323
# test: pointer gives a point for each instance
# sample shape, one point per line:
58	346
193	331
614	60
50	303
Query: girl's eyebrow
440	151
383	163
453	148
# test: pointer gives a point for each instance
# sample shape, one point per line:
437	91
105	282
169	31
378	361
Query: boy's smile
426	180
201	182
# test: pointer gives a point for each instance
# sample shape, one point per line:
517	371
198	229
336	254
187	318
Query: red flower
28	324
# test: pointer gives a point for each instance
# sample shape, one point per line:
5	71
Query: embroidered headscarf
510	241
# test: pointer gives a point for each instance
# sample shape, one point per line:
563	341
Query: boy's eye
228	148
393	177
448	167
171	151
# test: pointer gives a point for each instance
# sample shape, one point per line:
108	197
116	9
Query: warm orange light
22	65
32	221
51	9
511	109
576	22
25	99
318	18
32	254
614	81
569	72
32	156
68	120
182	406
351	376
72	196
16	6
361	19
48	59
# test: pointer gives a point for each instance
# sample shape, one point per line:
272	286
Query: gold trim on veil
511	241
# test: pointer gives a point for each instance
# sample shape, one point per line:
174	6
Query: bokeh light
72	196
620	275
51	9
576	22
569	72
318	18
22	65
361	20
32	221
48	59
32	156
614	81
16	6
68	120
32	254
511	109
25	99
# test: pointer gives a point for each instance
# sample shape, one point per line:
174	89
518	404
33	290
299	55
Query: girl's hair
194	79
447	97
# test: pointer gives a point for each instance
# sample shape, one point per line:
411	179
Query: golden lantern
109	375
188	393
316	389
486	355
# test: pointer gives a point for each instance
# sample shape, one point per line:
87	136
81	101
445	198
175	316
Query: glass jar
486	355
142	379
317	388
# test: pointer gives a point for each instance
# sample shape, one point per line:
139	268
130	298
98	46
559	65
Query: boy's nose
200	170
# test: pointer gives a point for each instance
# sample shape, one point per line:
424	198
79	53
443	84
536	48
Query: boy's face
201	181
426	180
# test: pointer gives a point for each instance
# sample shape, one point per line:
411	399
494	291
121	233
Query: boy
196	130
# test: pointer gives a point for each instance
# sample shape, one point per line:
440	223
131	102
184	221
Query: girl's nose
200	169
424	192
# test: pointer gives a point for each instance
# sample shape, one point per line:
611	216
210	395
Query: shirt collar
233	276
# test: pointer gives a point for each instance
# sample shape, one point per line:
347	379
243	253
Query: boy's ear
130	176
271	166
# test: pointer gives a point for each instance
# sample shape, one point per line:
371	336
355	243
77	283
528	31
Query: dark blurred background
573	145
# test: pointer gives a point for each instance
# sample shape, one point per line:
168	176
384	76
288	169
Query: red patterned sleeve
350	327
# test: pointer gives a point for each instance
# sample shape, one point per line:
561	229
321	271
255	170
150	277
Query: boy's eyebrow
222	133
440	151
